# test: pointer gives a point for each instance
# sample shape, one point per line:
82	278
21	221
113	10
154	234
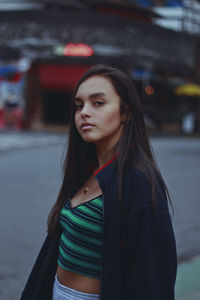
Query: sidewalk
188	280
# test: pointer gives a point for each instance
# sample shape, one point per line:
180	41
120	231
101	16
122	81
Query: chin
89	139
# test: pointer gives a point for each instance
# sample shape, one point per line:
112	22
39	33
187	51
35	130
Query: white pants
62	292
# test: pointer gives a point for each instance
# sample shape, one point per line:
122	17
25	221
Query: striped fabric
81	240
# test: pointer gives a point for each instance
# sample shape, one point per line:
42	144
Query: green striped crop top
81	240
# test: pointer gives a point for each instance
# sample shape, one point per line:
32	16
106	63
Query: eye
78	106
99	103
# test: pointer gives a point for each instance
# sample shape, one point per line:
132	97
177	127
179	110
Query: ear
123	118
127	114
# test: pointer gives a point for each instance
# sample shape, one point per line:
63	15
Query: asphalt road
30	177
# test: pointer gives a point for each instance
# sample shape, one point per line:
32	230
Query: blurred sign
189	89
142	74
74	50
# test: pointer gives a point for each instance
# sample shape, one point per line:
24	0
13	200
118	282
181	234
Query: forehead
95	84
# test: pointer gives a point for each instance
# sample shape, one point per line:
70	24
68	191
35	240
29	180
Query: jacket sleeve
152	255
40	282
151	247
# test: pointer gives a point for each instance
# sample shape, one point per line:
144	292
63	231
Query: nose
85	112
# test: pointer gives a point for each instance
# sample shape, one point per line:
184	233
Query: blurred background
45	46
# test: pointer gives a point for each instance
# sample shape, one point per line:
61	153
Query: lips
86	126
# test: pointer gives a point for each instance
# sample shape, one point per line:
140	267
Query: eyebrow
91	96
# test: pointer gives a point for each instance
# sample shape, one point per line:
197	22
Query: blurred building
181	16
62	39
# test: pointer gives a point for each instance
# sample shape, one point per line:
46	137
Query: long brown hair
133	149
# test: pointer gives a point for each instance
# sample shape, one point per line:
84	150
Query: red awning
59	77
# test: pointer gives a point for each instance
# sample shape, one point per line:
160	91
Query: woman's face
98	118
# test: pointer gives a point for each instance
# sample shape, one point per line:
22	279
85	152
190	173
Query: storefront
12	84
63	44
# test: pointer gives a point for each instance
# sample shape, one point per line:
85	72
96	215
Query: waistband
74	293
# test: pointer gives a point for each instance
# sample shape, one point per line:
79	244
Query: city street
30	177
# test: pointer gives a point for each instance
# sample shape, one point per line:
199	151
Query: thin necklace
86	189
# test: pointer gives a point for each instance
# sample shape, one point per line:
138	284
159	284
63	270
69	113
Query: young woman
109	233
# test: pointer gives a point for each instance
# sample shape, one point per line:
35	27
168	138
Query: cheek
112	117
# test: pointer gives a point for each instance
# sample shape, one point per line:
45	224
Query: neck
105	148
104	154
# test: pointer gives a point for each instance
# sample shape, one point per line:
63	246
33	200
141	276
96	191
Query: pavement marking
13	141
188	279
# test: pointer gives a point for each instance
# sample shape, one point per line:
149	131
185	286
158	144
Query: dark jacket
139	252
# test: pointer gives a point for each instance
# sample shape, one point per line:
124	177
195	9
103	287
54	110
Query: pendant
85	190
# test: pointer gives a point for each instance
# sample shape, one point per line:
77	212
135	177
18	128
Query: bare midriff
78	282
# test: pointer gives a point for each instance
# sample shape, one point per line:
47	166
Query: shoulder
134	174
137	189
135	179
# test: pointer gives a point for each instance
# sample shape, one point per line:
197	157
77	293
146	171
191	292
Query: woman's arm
152	255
